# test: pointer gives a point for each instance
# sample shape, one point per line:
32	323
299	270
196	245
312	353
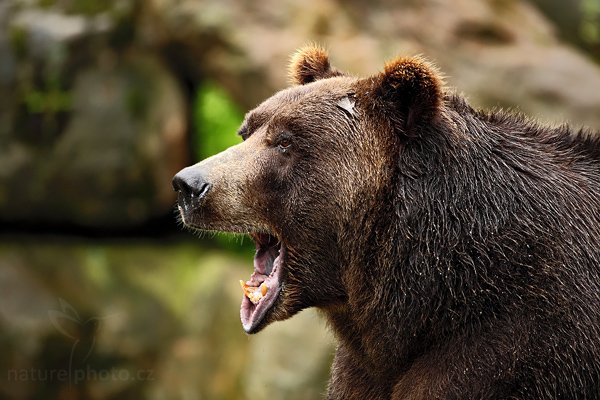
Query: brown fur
416	85
453	252
309	64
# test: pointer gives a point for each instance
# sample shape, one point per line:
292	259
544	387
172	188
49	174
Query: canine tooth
255	297
255	294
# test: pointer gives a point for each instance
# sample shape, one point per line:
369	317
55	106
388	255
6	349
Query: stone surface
498	52
112	162
91	135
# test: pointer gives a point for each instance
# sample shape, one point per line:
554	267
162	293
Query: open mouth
262	290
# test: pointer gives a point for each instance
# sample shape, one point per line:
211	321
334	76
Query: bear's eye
284	142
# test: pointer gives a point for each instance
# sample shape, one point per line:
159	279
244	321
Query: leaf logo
83	332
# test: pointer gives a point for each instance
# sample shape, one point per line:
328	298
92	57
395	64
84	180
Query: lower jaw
255	316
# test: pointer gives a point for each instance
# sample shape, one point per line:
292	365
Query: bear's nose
190	183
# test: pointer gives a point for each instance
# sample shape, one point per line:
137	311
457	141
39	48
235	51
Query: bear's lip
269	261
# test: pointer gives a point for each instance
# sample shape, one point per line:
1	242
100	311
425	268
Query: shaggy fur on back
491	277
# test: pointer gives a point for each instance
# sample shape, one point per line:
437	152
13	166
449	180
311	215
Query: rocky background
102	295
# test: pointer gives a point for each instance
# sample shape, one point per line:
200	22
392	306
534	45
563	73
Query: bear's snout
190	183
211	193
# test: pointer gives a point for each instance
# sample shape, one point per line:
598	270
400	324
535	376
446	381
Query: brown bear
454	252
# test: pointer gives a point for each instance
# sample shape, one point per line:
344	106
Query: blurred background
102	294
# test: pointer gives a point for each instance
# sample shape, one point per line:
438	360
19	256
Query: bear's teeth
255	294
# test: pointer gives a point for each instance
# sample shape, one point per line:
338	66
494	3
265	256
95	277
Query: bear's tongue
262	289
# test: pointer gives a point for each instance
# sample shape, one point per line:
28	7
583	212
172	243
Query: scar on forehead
347	104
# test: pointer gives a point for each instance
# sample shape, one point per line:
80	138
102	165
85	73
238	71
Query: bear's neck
443	254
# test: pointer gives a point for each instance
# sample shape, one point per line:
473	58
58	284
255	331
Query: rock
126	138
111	164
91	136
567	15
499	52
46	30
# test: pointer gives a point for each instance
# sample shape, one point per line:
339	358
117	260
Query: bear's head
311	178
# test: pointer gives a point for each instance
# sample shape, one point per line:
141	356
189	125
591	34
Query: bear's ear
309	64
414	87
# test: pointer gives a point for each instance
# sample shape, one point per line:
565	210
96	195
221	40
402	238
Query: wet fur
453	252
472	270
478	274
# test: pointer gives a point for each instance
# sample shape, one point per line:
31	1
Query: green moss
46	3
47	102
18	41
217	119
136	101
590	32
590	25
90	7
